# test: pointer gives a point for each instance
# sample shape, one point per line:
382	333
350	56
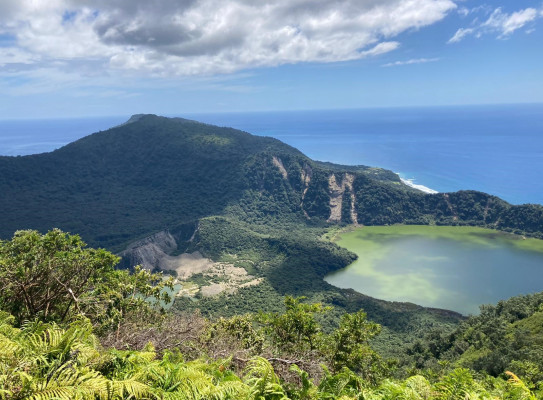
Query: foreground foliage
44	361
505	336
57	278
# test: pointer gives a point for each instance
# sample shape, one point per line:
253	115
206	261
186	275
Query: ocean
494	149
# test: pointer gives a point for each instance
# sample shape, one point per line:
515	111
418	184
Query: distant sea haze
493	149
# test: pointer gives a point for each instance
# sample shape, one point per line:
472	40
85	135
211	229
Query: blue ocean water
494	149
24	137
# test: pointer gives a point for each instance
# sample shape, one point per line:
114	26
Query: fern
344	383
262	380
68	382
230	390
130	388
308	389
520	390
418	387
8	347
458	385
6	324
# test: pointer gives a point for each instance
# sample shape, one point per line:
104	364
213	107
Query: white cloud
14	55
508	23
499	22
463	11
199	37
381	48
412	61
461	34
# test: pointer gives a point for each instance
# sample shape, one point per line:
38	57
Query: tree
55	277
297	328
348	347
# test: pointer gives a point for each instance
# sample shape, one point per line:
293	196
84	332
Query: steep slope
505	336
120	184
142	176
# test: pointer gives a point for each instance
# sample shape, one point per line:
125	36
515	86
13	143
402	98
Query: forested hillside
155	173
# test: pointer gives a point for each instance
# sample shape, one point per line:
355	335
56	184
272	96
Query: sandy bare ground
186	264
224	277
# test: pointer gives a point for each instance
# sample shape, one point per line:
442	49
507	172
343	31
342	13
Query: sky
75	58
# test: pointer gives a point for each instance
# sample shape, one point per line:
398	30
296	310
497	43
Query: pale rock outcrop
279	164
337	191
149	252
154	252
306	175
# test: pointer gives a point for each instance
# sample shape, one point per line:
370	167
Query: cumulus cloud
499	22
412	61
198	37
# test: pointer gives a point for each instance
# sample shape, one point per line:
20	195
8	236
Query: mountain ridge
106	159
152	173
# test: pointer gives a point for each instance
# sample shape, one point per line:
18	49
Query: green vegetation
45	361
505	336
157	173
220	191
284	355
55	277
148	355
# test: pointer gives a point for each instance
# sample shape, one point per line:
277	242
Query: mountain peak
137	117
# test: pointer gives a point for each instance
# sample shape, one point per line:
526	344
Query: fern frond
418	387
130	388
6	325
69	382
524	393
8	347
262	380
54	393
230	390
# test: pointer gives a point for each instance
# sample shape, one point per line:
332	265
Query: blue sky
68	58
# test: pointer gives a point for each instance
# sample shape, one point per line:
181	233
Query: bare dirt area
219	277
186	264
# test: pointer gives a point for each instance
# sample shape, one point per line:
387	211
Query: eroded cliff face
337	192
154	252
306	175
149	252
336	188
279	164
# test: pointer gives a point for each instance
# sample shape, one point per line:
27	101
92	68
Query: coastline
422	188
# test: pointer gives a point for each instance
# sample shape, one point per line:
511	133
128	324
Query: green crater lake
455	268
